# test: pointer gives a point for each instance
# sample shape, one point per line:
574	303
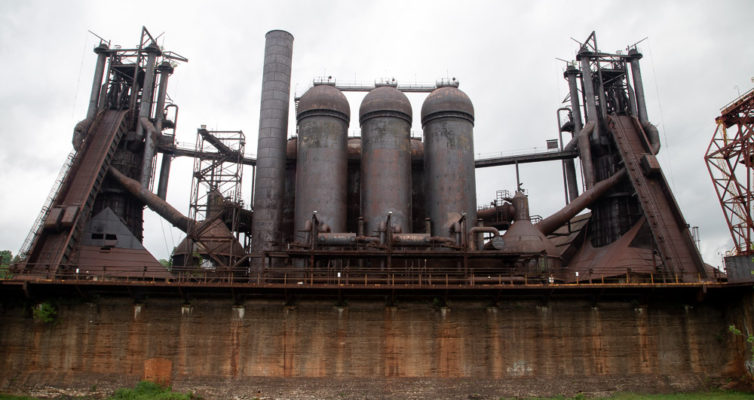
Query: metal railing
338	277
37	226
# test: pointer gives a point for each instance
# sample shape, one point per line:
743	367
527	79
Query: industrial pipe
411	239
587	83
554	221
165	69
653	136
99	71
82	128
569	168
145	110
156	204
499	213
585	153
480	229
571	73
641	104
336	239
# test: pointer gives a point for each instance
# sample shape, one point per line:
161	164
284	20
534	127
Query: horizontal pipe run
525	158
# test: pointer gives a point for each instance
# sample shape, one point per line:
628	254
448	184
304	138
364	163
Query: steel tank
450	180
385	119
322	158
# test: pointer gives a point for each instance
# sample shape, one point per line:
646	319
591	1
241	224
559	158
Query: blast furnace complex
382	207
376	243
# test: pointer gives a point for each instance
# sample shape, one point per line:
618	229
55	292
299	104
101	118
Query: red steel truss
729	161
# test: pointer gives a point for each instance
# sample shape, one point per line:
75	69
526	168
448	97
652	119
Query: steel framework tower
729	161
218	174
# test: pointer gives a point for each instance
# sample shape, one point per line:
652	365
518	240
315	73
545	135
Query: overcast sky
698	57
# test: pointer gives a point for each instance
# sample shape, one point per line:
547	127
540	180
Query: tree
6	257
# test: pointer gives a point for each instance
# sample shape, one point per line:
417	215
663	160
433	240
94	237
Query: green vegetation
6	258
45	312
151	391
718	395
144	390
749	338
10	397
168	264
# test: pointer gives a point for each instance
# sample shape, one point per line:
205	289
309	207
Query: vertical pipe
102	100
271	145
162	186
165	69
641	104
587	82
145	109
99	71
571	74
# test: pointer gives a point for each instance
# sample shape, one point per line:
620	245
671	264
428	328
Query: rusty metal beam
525	158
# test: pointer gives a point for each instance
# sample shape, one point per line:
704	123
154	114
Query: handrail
331	276
36	227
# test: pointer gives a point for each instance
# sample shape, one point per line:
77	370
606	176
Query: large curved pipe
472	240
554	221
156	204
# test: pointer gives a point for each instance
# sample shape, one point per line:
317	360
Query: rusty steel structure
730	158
381	210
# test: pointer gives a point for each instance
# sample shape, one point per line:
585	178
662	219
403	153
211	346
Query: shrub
45	312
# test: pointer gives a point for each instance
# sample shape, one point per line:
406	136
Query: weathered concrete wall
365	349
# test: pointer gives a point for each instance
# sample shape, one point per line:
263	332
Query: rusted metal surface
522	237
730	158
144	127
619	260
321	163
668	227
497	215
271	145
117	263
448	121
385	118
211	240
154	202
79	189
398	278
474	240
551	223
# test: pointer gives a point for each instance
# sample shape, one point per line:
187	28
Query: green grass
143	391
11	397
149	391
719	395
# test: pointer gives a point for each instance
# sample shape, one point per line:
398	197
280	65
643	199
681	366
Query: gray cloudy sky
697	58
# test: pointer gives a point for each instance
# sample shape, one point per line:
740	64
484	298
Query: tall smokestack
273	129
